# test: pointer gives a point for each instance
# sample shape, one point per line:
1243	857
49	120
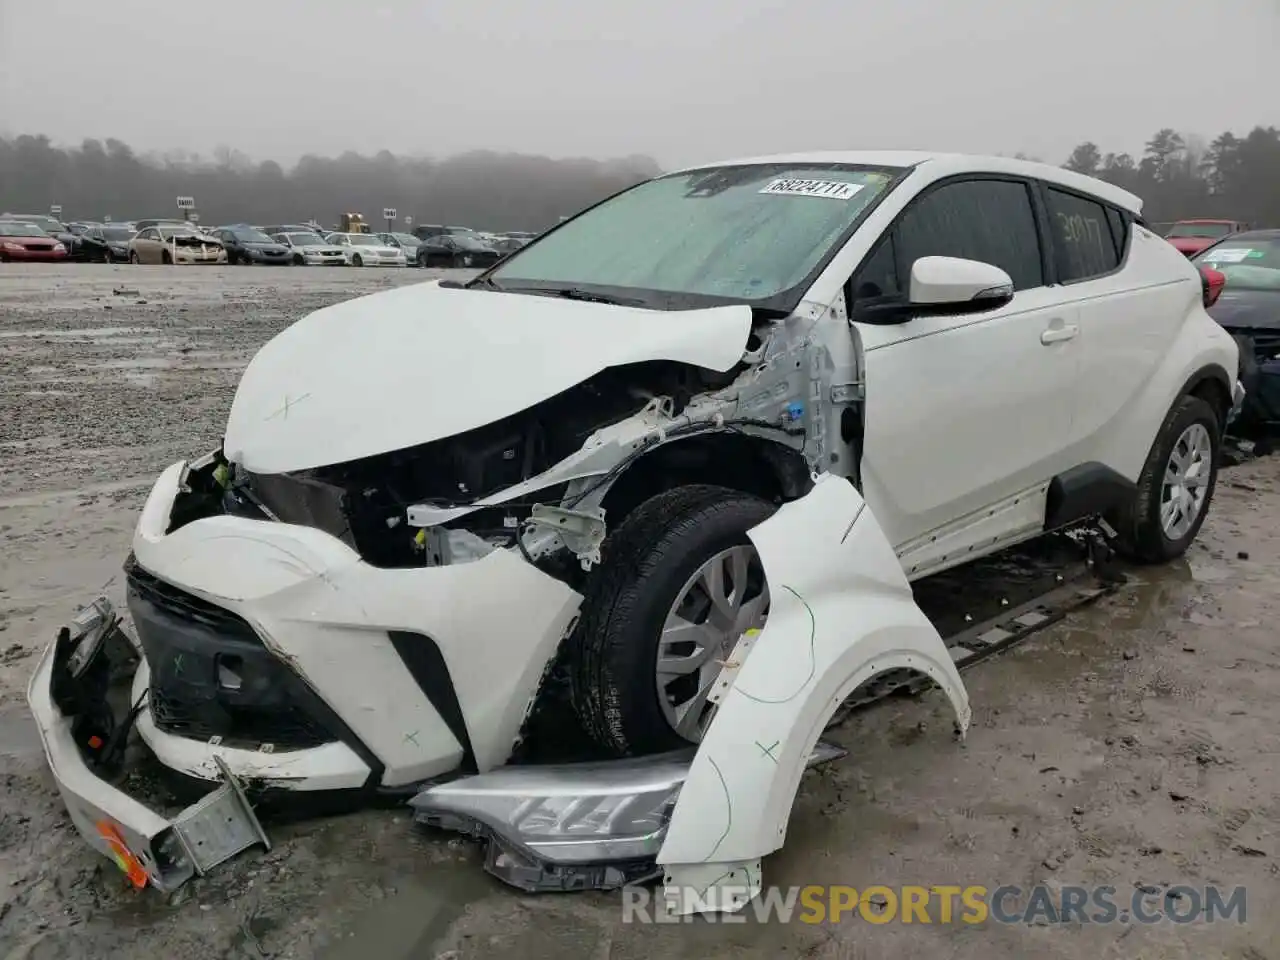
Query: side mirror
945	286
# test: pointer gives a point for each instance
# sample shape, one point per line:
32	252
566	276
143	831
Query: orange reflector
95	743
130	865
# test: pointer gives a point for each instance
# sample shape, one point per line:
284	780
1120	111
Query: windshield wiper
576	293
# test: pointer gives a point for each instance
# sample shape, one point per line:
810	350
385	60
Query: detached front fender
841	613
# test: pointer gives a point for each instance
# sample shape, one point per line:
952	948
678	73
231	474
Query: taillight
1211	283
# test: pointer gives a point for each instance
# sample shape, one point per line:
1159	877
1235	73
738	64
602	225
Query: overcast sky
684	81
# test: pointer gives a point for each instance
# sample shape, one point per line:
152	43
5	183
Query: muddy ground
1135	743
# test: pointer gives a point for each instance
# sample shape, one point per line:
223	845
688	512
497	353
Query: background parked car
309	249
273	229
456	250
1248	307
247	245
51	226
406	242
1192	236
175	243
21	240
424	231
368	250
162	221
107	243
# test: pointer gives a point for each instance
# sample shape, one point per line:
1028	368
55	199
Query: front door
967	417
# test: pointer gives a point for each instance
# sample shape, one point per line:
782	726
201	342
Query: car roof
947	164
1272	234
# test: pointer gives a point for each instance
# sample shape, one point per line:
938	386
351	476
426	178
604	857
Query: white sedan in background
367	250
312	250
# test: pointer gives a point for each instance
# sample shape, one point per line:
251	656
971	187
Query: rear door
1129	312
965	415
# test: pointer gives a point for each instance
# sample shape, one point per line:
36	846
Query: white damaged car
682	455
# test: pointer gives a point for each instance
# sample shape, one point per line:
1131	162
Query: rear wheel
679	584
298	261
165	257
1176	485
356	261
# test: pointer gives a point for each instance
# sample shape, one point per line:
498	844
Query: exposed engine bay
441	502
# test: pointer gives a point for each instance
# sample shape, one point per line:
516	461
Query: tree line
1178	176
482	189
1181	177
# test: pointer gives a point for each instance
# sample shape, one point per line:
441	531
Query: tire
133	258
422	260
646	566
357	261
165	258
1143	535
298	261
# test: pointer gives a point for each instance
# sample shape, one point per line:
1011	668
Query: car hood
423	362
1254	309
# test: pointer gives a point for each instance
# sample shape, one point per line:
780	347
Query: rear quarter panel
1147	337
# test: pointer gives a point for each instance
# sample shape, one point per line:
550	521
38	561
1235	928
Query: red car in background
22	242
1192	236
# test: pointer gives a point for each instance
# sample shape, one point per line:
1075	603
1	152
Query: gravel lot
1135	743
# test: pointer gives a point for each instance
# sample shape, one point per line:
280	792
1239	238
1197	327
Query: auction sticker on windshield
1228	255
831	189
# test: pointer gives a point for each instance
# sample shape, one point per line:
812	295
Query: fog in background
685	81
206	92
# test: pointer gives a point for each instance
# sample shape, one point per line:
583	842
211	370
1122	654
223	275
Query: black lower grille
211	676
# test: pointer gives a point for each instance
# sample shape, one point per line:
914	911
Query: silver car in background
312	250
367	250
404	241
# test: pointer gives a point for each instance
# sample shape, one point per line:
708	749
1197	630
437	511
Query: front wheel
1176	485
298	261
133	257
356	261
679	584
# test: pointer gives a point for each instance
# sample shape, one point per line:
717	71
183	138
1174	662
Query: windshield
251	236
16	228
176	231
116	233
367	240
751	232
304	239
407	239
1200	230
1247	263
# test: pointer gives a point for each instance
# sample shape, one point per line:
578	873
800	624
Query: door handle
1059	334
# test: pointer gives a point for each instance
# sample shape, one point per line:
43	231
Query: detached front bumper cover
67	696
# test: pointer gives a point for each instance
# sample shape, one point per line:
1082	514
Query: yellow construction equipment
353	223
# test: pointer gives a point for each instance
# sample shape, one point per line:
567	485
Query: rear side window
987	220
1119	229
1083	243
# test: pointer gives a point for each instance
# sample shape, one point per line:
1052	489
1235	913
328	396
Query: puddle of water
415	917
